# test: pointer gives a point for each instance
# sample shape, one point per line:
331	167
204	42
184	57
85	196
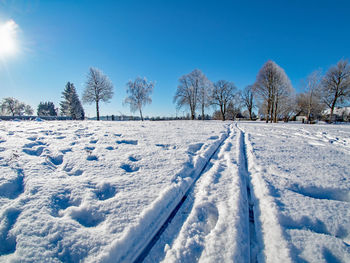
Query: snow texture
70	189
301	179
181	191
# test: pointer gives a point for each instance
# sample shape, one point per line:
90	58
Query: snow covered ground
301	179
69	189
178	191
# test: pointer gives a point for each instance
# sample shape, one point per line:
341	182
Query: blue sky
162	40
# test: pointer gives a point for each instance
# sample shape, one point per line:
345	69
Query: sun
8	35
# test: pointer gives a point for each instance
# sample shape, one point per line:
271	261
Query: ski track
155	219
65	198
207	222
219	207
272	246
310	200
211	210
243	163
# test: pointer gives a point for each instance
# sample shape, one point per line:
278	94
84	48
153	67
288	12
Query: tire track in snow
156	237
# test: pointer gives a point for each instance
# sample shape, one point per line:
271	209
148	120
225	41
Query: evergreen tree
79	112
71	105
47	109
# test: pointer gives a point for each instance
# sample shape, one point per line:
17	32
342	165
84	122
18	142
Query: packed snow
180	191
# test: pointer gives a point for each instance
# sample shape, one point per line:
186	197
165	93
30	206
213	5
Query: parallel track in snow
157	235
244	173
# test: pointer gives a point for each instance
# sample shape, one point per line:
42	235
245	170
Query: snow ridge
129	247
244	174
206	226
272	246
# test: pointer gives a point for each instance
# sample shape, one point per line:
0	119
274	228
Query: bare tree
336	85
248	99
309	105
272	85
283	96
309	102
222	94
313	92
9	105
262	108
234	107
204	94
12	106
288	107
139	92
98	88
189	91
28	110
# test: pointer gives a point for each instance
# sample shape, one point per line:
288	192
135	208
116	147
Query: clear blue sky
162	40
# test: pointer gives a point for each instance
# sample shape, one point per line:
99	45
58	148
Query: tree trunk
271	111
203	111
332	109
97	110
192	116
193	112
268	110
308	114
250	113
222	113
275	113
272	103
336	95
269	101
309	109
141	115
250	108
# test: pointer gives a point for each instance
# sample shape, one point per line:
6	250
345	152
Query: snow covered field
178	191
301	175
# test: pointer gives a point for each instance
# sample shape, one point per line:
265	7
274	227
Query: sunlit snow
100	191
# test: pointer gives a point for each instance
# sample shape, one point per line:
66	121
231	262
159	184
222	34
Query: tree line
98	88
279	100
271	93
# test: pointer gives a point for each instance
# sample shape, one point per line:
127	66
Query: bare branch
98	87
139	92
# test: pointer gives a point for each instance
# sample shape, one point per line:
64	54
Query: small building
301	118
339	114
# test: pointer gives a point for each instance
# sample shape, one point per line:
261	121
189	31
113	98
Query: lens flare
8	35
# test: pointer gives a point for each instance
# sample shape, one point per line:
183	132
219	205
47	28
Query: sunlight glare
8	32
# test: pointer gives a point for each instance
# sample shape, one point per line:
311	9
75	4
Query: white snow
212	217
76	191
70	189
306	172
